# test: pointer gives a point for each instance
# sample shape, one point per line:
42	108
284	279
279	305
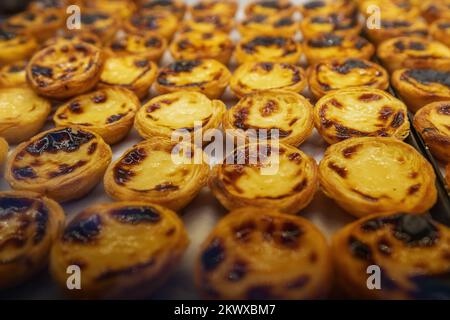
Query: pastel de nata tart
389	9
397	27
257	254
182	110
22	113
433	123
419	87
411	252
377	175
225	8
123	9
288	112
250	77
326	7
207	76
272	25
265	175
62	163
268	49
270	7
330	46
148	172
124	250
78	36
440	31
162	23
197	45
335	74
360	112
15	46
132	72
30	223
149	45
65	69
103	24
336	23
109	112
3	150
207	24
414	52
13	74
433	10
175	7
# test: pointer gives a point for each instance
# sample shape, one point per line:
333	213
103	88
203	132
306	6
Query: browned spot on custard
365	196
336	103
293	121
66	169
127	271
339	170
295	157
92	148
75	107
349	151
413	175
115	118
298	283
444	110
99	97
169	186
289	234
23	173
269	108
368	97
384	247
260	293
414	188
313	257
243	231
385	113
213	255
238	271
153	107
134	157
301	185
398	120
240	117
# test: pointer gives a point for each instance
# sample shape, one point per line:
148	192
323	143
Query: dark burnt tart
65	69
62	163
411	252
29	224
124	249
15	46
271	25
260	254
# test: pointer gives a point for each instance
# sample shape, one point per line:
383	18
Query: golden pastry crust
262	175
207	23
174	184
330	46
197	45
30	225
360	112
390	9
447	175
109	112
182	110
122	9
149	45
100	23
382	175
207	76
162	23
3	150
440	30
132	72
250	77
414	52
78	36
335	74
397	27
271	25
15	46
326	7
227	8
288	112
336	23
175	7
22	113
433	123
124	249
270	8
65	69
62	163
268	49
419	87
433	10
264	254
410	250
13	74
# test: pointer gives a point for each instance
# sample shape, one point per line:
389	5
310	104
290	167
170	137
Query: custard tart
414	52
225	8
123	9
158	171
274	25
268	49
197	45
62	163
440	31
149	45
329	46
123	249
360	112
389	8
13	74
377	175
410	251
3	150
15	46
334	74
205	24
265	175
289	258
250	77
207	76
175	7
419	87
79	36
288	112
29	225
182	110
326	7
131	72
433	10
397	27
433	123
22	113
109	112
103	24
161	23
65	69
270	8
339	24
